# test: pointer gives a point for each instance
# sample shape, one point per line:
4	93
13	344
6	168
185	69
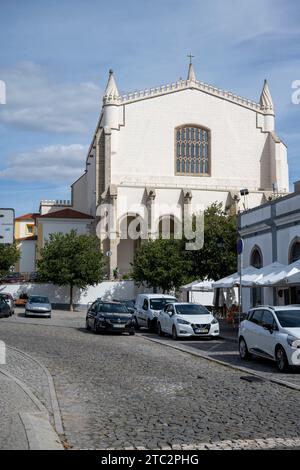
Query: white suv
147	308
272	333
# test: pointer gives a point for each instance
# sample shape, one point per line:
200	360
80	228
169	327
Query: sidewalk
25	421
13	400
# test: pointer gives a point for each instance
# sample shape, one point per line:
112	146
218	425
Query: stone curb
226	364
39	432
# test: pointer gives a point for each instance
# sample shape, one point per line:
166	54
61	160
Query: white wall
63	226
107	290
146	143
27	253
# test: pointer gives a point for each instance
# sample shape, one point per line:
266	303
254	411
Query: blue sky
55	56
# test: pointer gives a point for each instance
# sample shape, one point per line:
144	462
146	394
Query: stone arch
294	250
256	257
256	260
169	226
131	231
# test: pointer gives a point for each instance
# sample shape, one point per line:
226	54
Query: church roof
65	214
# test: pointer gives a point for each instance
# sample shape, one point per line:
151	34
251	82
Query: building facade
271	233
183	144
171	151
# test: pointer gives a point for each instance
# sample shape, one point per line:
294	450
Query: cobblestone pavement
124	392
227	351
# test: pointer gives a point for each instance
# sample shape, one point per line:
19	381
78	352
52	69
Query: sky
55	56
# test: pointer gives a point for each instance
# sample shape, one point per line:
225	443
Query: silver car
38	306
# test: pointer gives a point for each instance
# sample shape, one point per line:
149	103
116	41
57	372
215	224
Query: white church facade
183	144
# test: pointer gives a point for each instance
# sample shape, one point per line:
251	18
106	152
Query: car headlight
214	321
291	340
182	321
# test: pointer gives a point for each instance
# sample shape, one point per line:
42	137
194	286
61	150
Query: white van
148	307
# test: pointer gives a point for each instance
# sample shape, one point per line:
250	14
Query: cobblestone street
129	392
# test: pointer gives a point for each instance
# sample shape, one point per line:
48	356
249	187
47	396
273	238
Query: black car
109	316
130	304
4	308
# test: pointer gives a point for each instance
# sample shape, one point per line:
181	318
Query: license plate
201	330
119	326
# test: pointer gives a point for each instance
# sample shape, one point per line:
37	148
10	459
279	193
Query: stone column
113	230
150	201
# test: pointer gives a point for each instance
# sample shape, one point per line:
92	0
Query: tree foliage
9	255
160	264
166	264
218	257
71	260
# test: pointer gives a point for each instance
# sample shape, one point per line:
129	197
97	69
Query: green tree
9	255
160	264
71	260
218	257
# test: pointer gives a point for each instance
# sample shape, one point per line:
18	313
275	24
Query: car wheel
131	333
87	326
243	349
136	325
281	359
159	330
95	328
174	333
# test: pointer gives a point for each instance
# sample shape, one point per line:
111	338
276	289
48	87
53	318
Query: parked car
9	300
272	333
13	278
109	316
33	277
130	304
148	307
38	305
4	308
181	320
22	300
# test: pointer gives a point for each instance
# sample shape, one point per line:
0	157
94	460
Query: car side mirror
268	327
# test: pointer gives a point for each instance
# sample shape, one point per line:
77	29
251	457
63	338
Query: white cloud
53	163
37	103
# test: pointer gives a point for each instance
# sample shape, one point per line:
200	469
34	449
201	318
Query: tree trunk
71	298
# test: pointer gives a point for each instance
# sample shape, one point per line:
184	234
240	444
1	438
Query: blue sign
240	246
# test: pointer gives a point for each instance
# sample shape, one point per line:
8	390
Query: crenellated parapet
183	85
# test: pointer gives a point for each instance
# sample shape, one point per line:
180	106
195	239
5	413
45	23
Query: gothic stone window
192	150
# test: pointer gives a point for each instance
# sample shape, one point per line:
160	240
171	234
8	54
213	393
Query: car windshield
190	309
158	304
289	318
112	308
129	303
39	300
